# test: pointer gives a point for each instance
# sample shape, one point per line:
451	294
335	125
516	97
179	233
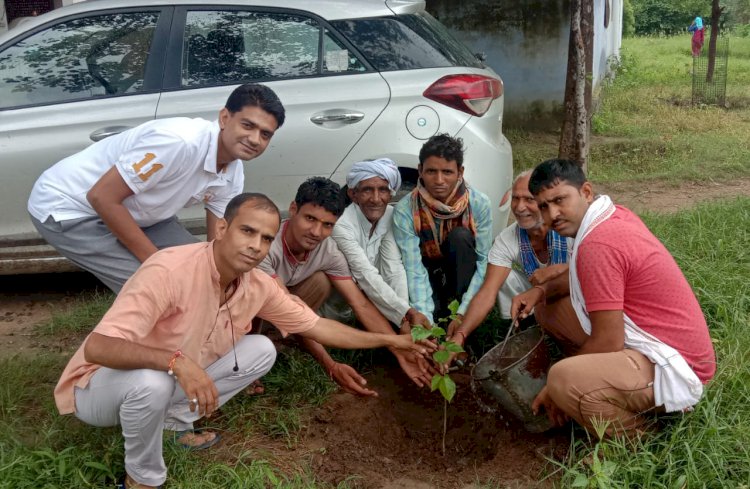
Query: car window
78	59
223	47
406	42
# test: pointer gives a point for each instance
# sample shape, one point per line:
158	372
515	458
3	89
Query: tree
574	137
716	12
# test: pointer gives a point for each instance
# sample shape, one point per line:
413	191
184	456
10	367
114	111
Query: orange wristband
170	367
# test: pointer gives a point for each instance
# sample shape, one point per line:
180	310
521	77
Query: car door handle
106	132
337	115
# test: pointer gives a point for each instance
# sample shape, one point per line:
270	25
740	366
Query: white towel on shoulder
676	386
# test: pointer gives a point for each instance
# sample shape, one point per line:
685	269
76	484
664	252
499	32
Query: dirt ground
394	441
389	442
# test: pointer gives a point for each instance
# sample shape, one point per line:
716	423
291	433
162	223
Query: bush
667	16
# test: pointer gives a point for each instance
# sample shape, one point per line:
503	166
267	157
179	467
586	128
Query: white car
359	79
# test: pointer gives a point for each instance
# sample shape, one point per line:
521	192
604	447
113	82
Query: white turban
382	168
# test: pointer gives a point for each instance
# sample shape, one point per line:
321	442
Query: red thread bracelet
170	367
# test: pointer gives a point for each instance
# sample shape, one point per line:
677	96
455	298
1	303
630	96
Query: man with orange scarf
444	231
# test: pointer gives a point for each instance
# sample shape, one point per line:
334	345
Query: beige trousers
607	393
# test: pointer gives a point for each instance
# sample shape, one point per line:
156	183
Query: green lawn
646	129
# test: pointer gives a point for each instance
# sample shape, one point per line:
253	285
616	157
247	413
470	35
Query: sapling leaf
441	356
435	382
453	307
453	347
447	388
437	332
419	333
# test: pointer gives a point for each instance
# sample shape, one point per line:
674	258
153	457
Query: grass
40	449
709	447
646	128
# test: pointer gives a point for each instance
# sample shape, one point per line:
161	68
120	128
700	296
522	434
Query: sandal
256	388
206	444
120	484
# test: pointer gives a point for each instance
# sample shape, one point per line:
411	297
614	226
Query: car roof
328	9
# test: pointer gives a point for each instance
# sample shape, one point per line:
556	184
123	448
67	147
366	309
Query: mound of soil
395	440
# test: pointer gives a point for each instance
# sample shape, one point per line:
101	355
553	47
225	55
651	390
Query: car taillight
472	94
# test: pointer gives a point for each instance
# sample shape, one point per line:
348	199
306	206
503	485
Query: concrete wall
526	42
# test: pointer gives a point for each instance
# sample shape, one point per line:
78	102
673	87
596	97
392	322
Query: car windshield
406	42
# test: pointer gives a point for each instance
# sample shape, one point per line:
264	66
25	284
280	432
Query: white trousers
145	402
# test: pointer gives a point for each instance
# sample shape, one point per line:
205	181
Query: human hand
544	275
415	317
405	343
349	380
419	370
556	415
199	389
522	304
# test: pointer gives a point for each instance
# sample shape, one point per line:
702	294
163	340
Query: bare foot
255	388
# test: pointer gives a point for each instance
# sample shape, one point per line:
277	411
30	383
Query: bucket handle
513	326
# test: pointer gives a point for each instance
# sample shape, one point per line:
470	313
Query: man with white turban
363	234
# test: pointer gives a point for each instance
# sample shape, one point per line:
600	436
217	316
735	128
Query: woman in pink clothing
696	27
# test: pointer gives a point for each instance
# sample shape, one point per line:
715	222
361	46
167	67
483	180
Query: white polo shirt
167	163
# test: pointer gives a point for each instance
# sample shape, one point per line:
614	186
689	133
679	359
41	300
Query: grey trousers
145	402
90	244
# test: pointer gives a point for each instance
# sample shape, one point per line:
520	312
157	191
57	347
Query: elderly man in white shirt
363	234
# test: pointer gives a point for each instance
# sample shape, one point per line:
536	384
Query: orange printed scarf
433	220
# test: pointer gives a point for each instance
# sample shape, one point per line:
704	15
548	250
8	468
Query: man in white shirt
112	205
524	255
363	234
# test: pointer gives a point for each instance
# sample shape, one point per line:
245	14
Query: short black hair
549	173
256	95
323	192
261	201
443	146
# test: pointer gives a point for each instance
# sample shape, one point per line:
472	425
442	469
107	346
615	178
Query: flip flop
206	444
256	388
121	483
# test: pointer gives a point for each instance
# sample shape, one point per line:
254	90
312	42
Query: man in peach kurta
173	347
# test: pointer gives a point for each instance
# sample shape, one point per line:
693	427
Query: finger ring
194	400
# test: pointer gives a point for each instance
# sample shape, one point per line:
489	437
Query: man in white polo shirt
112	205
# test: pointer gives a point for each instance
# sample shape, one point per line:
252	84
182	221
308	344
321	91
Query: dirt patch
27	301
395	440
665	197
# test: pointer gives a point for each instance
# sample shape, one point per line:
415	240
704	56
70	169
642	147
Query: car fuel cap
422	122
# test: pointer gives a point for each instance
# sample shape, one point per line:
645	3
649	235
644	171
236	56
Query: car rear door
66	83
330	95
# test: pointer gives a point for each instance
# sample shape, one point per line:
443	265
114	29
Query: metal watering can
512	373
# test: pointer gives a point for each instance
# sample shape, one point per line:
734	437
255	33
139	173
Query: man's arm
332	333
344	375
607	333
417	280
417	370
106	197
522	304
120	354
480	305
211	220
